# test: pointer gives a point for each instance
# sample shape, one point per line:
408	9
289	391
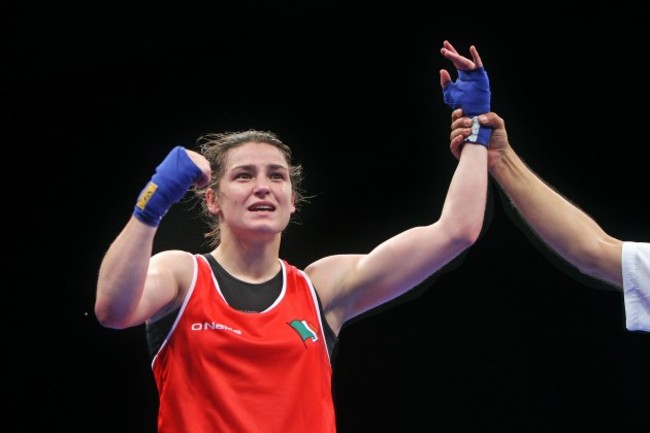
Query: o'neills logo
213	326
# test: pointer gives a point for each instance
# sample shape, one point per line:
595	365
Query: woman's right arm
133	286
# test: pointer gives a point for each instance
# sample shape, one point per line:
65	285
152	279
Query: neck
251	262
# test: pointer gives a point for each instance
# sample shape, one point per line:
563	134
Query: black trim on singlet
157	331
243	296
330	336
232	288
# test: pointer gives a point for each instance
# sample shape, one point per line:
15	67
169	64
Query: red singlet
222	370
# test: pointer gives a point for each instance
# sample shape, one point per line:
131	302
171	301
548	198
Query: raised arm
352	284
559	223
133	286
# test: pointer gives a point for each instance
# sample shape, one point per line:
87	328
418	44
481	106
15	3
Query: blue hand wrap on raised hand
173	177
471	92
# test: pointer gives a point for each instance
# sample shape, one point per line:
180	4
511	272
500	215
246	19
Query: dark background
505	339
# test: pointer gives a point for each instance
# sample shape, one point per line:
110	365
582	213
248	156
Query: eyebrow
252	167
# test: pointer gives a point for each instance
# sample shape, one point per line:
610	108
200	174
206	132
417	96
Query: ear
293	202
212	201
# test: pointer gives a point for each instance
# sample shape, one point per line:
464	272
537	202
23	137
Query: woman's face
255	194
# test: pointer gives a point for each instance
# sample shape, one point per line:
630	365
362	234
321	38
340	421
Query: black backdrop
506	339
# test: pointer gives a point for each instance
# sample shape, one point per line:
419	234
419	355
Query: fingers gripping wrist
173	177
479	134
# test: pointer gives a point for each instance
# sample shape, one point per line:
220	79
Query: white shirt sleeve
635	262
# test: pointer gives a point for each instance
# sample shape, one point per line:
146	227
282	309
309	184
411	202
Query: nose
261	188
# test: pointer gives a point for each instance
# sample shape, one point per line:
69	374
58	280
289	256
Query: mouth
261	207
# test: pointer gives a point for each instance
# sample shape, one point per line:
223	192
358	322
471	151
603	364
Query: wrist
504	164
173	177
479	134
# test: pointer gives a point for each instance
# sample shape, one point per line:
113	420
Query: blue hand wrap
173	177
471	92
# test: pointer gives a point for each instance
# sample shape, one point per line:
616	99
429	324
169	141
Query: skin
563	226
460	62
254	204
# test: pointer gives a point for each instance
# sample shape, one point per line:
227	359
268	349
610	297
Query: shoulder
177	264
332	274
173	258
337	264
